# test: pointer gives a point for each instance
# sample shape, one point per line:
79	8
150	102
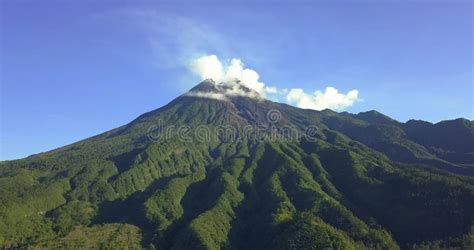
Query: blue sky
73	69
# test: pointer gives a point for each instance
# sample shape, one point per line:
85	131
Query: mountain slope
221	167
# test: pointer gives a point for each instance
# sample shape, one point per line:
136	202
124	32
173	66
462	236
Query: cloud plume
216	96
210	67
329	99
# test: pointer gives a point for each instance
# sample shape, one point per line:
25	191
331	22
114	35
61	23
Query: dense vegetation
364	181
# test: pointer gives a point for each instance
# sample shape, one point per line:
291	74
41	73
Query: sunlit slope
358	181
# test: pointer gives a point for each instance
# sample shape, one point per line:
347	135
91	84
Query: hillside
221	167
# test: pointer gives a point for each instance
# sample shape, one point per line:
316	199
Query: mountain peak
223	90
374	116
207	85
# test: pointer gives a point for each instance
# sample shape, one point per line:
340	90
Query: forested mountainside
282	178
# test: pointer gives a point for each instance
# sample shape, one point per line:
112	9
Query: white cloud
234	71
210	67
329	99
271	90
208	95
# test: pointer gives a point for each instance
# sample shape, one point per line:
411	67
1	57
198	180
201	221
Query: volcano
221	167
